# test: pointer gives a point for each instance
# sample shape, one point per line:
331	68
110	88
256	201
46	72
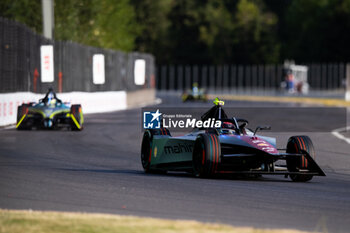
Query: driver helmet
51	99
195	88
228	125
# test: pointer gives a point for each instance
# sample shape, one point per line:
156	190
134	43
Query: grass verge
60	222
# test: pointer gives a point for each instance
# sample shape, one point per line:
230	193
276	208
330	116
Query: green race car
194	94
49	113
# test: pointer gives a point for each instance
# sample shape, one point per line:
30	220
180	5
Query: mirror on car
265	127
243	125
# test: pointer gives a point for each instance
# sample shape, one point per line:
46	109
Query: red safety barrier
153	81
60	81
35	79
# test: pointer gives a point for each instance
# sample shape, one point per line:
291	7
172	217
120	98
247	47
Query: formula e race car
194	94
49	113
231	148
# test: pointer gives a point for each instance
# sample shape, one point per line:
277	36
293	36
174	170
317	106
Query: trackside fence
20	64
248	79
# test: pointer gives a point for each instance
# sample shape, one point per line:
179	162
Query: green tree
74	20
216	31
255	34
116	25
318	30
152	18
103	23
25	11
185	46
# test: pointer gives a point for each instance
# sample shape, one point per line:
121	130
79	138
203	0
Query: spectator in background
290	82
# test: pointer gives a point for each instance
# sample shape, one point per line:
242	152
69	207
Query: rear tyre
146	151
77	117
206	155
161	131
295	145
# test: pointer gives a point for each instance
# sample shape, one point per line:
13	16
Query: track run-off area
99	170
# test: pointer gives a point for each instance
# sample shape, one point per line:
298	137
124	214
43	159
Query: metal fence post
204	83
240	79
188	81
347	95
319	76
330	76
180	78
212	78
342	76
324	76
225	83
171	77
194	74
218	88
233	79
163	77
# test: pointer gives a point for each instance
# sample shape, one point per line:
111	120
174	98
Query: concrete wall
140	98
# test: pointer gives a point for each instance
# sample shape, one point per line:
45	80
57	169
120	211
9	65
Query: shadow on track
180	175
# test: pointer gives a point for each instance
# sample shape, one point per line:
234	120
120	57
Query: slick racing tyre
77	117
161	131
146	148
206	155
294	164
21	111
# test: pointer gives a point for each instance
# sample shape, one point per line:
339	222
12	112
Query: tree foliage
25	11
101	23
201	31
255	34
318	30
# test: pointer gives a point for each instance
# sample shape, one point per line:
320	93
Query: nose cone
48	123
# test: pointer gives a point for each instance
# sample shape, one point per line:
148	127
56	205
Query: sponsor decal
258	141
268	149
265	146
155	151
178	148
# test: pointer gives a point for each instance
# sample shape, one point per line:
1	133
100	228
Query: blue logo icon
151	120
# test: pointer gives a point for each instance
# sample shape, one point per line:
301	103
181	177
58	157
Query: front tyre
206	155
295	164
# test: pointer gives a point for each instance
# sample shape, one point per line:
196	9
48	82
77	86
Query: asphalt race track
99	170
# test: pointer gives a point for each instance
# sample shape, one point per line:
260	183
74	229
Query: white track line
337	134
